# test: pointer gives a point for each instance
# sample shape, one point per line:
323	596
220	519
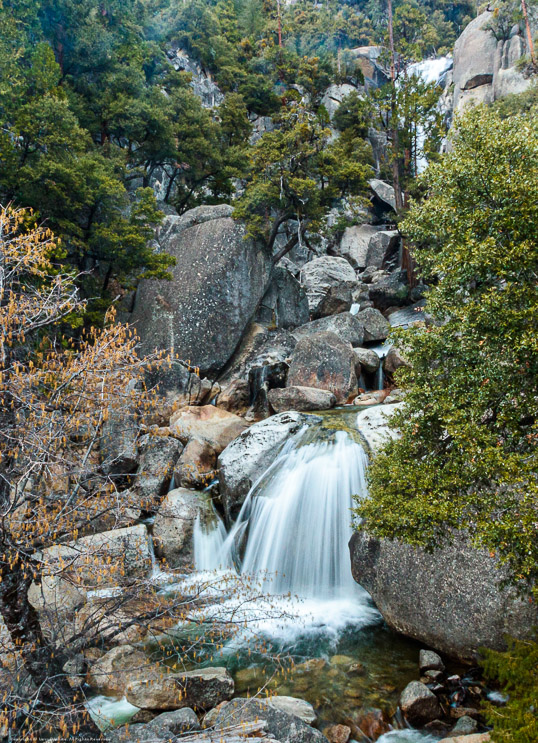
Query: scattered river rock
418	704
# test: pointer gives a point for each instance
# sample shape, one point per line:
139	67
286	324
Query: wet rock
457	712
345	325
418	704
429	661
322	273
196	466
355	245
433	677
325	362
337	733
174	523
301	399
207	423
367	359
376	328
158	457
438	728
216	287
200	689
284	727
284	304
247	457
112	672
294	706
371	398
461	607
211	716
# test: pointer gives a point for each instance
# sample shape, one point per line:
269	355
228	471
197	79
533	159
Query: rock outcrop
449	599
216	287
284	304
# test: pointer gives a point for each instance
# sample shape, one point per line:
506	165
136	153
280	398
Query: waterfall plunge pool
287	617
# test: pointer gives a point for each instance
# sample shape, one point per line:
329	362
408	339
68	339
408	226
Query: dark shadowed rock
337	299
319	275
284	304
382	246
175	722
389	291
247	458
300	398
345	325
393	361
418	704
200	689
449	599
218	282
326	362
118	451
284	727
158	457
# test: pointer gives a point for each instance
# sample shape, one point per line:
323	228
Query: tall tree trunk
529	33
393	116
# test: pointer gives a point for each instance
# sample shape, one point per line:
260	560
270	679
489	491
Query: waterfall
297	518
208	540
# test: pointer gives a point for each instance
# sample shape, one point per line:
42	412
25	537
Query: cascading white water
298	519
208	540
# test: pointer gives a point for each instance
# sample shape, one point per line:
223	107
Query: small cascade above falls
295	524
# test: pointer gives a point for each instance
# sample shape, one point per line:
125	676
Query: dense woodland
93	112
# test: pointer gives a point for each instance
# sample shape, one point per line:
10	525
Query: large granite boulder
345	325
246	459
449	599
319	275
284	304
300	398
324	361
419	705
284	727
216	287
158	457
373	425
111	673
334	95
376	328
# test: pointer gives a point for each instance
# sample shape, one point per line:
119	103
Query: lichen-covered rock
449	599
300	398
293	706
367	359
326	362
216	287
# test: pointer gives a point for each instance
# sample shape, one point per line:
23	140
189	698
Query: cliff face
486	69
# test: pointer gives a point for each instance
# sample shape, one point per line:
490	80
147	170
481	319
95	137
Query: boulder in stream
300	398
174	524
418	704
250	454
345	325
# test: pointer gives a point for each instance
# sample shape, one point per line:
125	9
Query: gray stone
418	704
389	291
301	399
250	454
200	689
464	726
196	466
216	426
322	273
367	360
384	192
355	244
381	247
201	81
347	327
376	328
334	95
115	669
393	361
326	362
284	304
337	299
174	524
175	722
294	706
216	287
449	599
474	61
118	452
284	727
430	661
